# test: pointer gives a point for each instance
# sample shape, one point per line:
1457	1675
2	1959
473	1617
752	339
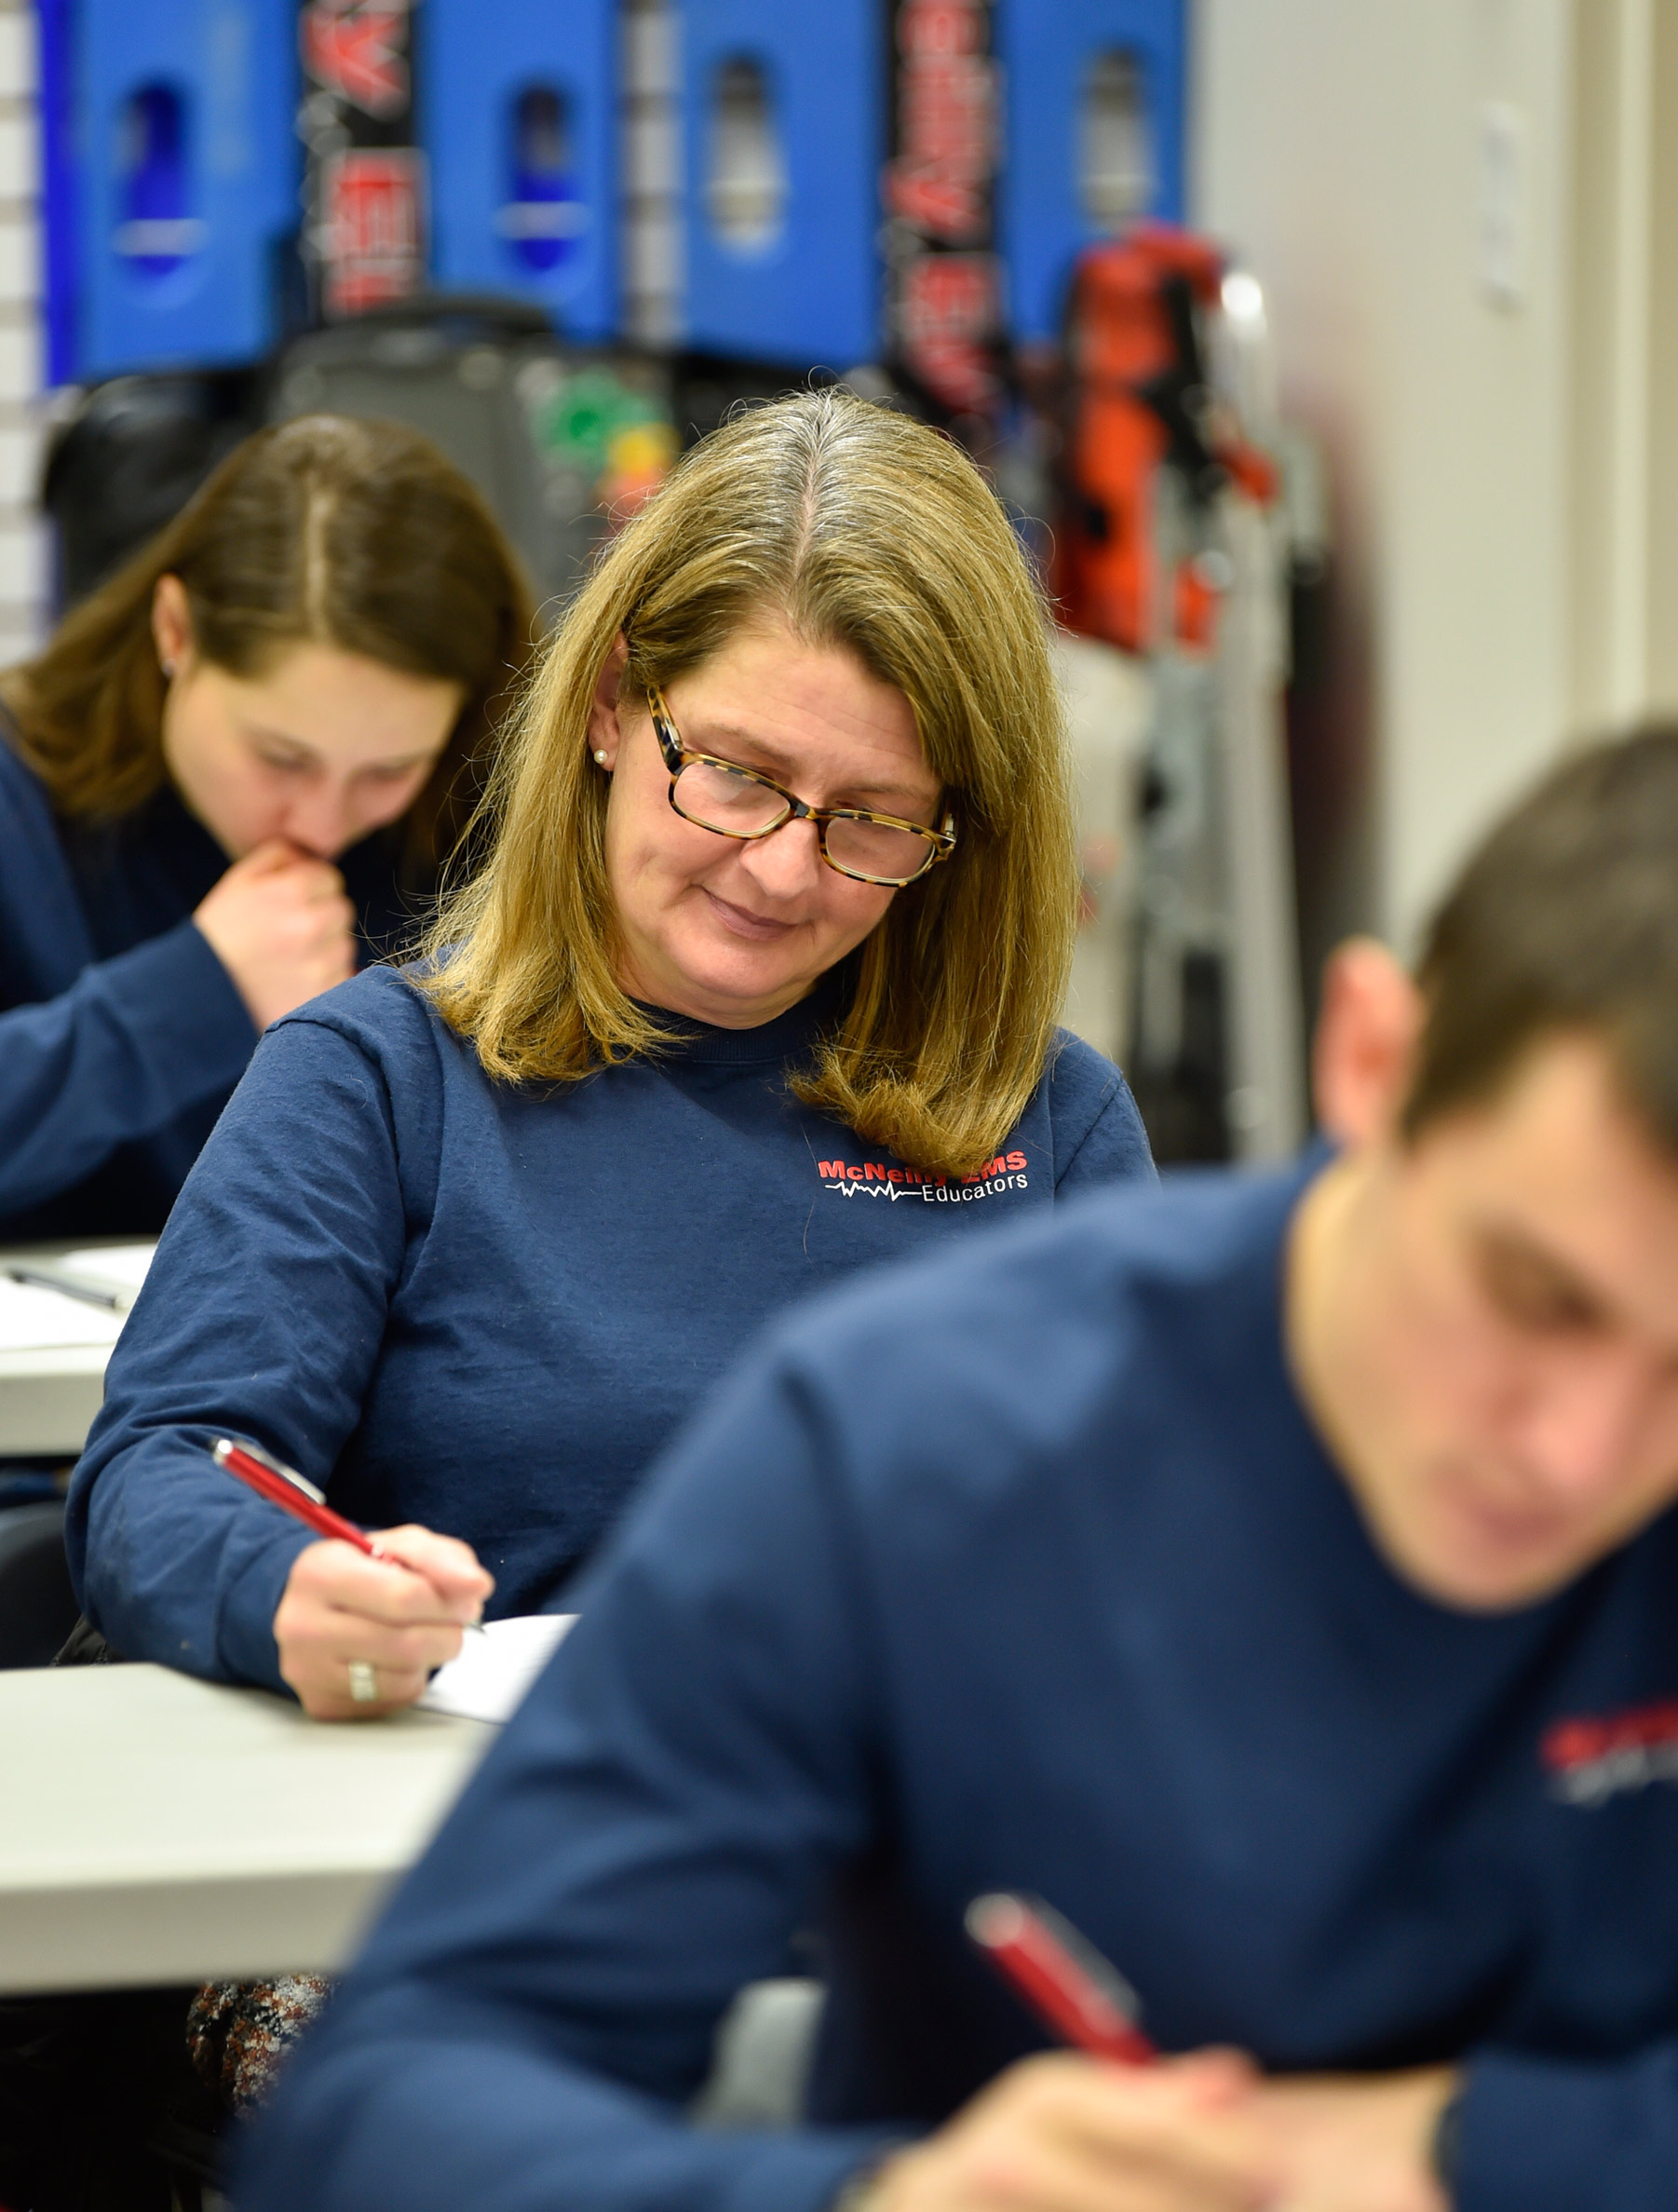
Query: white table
157	1829
49	1399
50	1394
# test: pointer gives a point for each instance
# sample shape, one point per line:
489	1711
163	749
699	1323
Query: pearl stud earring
602	758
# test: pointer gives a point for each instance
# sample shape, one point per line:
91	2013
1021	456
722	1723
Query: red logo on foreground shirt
1590	1760
879	1178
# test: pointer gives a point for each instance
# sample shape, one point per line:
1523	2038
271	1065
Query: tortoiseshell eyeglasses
736	802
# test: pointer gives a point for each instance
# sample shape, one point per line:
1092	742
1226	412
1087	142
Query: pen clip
226	1445
1100	1972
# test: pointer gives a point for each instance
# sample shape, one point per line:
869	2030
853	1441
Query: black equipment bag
130	456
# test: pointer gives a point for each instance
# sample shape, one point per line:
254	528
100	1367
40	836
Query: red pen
1066	1982
294	1494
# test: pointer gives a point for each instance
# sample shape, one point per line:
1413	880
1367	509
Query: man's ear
1365	1043
604	733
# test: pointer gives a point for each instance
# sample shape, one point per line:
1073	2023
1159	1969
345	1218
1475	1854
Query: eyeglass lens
718	799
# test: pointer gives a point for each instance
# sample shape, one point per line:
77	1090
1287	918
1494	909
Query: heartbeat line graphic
930	1194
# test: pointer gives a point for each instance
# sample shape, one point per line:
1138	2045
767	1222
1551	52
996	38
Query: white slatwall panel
23	548
650	175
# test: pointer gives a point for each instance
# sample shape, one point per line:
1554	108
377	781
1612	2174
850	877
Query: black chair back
37	1604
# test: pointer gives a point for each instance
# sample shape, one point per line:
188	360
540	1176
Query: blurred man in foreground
1276	1575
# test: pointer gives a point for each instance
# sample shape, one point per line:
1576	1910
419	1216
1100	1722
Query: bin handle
495	310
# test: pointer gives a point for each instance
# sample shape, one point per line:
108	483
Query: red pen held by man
1066	1982
294	1494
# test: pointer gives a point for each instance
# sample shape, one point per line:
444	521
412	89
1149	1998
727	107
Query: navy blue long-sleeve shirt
485	1307
121	1033
1025	1569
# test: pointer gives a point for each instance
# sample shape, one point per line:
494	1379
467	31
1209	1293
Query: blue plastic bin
185	165
518	115
784	133
1070	68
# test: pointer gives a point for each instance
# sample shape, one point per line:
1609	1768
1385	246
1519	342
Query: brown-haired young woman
757	984
232	770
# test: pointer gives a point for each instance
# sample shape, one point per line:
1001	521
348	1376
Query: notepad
488	1681
33	1319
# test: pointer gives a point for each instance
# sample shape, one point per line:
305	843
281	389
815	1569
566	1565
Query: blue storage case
784	135
185	167
518	115
1058	58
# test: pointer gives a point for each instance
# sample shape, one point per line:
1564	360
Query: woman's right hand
281	925
1061	2132
340	1606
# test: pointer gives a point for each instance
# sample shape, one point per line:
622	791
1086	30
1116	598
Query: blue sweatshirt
121	1034
1024	1569
482	1307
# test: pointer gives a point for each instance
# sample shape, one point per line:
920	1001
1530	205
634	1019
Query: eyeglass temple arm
670	744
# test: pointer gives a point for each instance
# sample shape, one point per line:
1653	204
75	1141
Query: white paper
489	1680
112	1267
36	1320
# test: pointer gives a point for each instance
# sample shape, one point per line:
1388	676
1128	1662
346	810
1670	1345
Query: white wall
1625	388
1339	149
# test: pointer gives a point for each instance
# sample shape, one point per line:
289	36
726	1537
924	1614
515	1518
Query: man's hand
1358	2143
281	925
340	1606
1068	2133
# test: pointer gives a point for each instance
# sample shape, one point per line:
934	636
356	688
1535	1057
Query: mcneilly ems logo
1590	1760
876	1179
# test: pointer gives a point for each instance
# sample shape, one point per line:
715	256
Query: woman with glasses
756	984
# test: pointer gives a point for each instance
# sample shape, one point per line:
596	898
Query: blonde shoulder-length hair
860	529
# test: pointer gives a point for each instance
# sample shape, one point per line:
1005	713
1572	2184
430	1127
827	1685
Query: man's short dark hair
1565	919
